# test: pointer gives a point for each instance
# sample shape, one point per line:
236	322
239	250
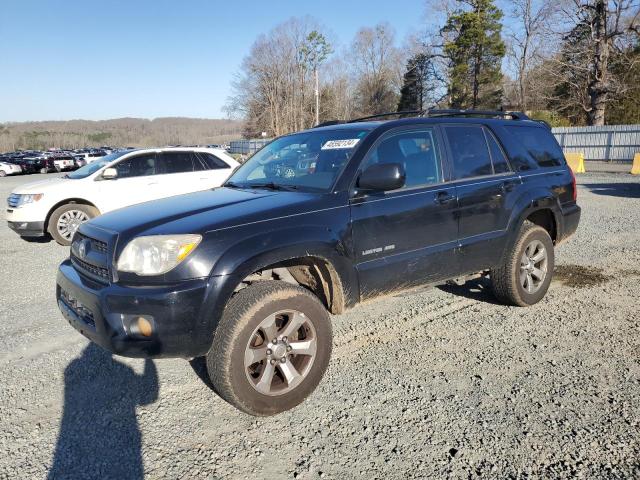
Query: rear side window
500	163
469	151
540	144
177	162
207	161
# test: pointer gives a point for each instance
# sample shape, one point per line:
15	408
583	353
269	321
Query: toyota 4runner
246	275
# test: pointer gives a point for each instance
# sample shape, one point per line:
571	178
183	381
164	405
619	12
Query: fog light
140	325
144	326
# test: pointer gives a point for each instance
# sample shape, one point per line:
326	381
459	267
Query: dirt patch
579	277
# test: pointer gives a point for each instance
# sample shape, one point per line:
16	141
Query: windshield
93	167
307	161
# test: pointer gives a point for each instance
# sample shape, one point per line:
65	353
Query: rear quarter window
540	144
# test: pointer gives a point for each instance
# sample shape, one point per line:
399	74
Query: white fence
617	143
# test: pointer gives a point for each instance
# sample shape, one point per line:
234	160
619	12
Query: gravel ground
434	382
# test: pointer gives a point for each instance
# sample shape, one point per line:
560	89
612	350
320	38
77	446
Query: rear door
486	188
407	236
211	171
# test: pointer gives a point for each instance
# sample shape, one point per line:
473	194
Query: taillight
573	185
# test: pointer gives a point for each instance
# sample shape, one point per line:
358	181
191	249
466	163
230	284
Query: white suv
58	206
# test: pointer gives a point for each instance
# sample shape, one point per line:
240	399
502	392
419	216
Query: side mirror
110	173
382	177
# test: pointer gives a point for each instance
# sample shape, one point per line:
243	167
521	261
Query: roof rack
451	112
434	112
418	113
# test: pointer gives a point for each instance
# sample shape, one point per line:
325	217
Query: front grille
13	200
76	307
96	245
99	272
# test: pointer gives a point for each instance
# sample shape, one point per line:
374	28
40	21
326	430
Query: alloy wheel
533	266
69	222
280	352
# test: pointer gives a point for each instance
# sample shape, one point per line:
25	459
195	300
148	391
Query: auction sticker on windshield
338	144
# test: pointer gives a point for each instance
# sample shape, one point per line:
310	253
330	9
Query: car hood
206	211
44	186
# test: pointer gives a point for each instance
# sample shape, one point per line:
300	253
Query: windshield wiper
272	186
233	185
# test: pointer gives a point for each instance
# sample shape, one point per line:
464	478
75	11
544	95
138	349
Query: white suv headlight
25	198
156	254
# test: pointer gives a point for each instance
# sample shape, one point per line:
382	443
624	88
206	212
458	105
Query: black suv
314	223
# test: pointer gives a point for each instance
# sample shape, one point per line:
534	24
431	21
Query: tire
75	214
240	328
517	283
44	170
3	173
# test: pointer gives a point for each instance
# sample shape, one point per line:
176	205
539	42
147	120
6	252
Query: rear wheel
271	348
65	220
524	276
3	173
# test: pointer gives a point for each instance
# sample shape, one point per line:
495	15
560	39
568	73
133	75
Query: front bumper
27	229
182	327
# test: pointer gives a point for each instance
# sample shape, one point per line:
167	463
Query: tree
315	51
420	81
528	39
474	50
591	65
376	63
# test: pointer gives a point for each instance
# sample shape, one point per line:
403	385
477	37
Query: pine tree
475	50
420	80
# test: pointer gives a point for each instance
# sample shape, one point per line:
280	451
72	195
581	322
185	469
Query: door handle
442	198
152	183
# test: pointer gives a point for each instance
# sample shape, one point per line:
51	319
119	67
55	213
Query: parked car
125	178
64	163
246	275
93	155
20	162
42	164
7	168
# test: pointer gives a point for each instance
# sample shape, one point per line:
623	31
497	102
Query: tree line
570	62
121	132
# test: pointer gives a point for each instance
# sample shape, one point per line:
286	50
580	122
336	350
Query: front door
408	236
136	182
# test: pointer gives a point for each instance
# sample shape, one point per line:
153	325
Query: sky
89	59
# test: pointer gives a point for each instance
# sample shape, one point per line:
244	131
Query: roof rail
418	113
452	112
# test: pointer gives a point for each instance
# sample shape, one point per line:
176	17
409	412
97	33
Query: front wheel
3	173
524	276
65	220
271	348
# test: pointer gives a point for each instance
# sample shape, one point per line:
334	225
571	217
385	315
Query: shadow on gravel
99	435
199	365
476	289
627	190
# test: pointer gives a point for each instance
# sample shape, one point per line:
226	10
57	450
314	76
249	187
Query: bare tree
529	40
607	25
377	67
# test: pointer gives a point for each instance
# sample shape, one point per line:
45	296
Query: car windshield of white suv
93	167
303	161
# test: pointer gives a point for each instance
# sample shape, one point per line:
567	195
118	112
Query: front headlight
156	254
24	199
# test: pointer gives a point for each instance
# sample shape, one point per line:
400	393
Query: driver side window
139	166
415	150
